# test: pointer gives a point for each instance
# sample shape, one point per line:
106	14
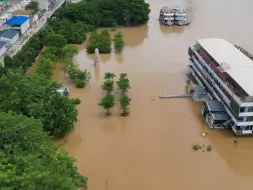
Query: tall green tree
107	102
118	41
29	159
124	103
108	86
56	40
35	96
123	84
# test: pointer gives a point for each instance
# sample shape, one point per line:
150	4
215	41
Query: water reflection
119	57
167	30
97	73
238	158
134	36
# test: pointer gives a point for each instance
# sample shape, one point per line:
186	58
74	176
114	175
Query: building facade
226	73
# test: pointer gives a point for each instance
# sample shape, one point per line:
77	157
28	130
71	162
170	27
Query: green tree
81	78
69	51
107	102
123	84
33	5
102	41
35	96
56	40
50	56
52	50
124	103
44	67
108	13
8	62
29	159
123	75
109	76
118	42
108	86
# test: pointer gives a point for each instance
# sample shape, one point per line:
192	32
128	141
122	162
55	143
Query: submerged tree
107	102
109	76
118	42
108	86
123	75
124	103
123	84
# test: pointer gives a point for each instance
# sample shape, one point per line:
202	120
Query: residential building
21	23
28	13
2	48
9	36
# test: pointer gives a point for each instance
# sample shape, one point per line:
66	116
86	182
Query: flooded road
151	149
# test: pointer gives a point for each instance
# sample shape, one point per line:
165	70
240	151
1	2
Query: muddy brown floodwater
152	148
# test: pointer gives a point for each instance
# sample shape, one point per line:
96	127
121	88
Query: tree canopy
101	40
35	96
56	40
107	13
29	160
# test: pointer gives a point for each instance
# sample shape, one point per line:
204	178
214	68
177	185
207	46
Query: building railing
226	85
235	120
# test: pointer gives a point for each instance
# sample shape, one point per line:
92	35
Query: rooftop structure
8	33
22	12
232	61
16	20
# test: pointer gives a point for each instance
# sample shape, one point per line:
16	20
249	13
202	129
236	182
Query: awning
215	106
221	117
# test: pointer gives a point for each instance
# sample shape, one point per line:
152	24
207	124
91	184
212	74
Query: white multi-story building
226	71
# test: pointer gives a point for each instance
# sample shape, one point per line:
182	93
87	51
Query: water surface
151	149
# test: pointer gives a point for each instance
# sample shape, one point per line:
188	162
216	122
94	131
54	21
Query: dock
175	96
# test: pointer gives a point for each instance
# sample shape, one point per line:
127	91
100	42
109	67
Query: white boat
166	16
170	16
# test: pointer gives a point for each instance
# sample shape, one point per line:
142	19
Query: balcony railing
222	78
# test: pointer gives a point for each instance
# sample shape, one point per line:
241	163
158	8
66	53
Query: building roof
2	44
22	12
16	20
238	66
9	33
215	106
221	116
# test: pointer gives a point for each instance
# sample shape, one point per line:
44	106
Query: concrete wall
2	50
24	27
